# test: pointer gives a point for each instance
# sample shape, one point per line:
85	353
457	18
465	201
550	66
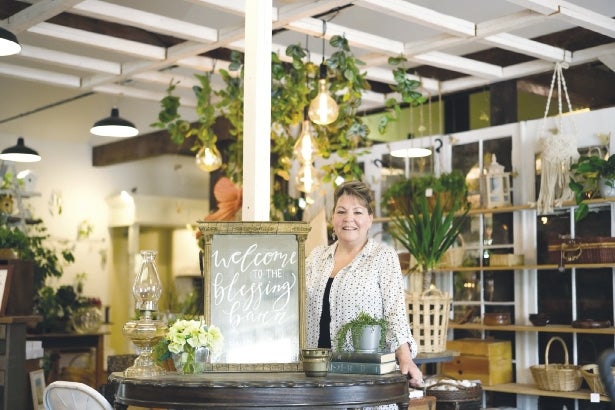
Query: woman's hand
408	367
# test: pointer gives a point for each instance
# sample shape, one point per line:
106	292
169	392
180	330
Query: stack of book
362	363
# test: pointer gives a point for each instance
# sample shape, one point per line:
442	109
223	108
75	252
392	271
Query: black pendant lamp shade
20	153
8	43
114	126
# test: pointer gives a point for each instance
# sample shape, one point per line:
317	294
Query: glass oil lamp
146	332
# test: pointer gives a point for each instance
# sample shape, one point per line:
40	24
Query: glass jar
87	319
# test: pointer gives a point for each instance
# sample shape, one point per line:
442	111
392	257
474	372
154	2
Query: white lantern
495	186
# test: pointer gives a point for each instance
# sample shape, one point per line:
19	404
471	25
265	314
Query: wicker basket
557	377
455	396
428	313
591	374
453	257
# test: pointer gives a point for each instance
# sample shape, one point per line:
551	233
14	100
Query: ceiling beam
136	148
147	21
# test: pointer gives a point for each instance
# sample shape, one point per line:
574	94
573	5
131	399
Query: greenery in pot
356	326
35	245
585	179
427	233
398	196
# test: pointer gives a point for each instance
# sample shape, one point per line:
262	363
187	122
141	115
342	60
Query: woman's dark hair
357	189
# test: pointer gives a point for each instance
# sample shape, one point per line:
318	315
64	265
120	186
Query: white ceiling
60	62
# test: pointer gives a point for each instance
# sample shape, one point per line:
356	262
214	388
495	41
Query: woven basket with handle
428	313
557	377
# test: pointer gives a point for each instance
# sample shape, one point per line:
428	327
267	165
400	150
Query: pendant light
20	153
323	108
208	158
8	43
305	146
114	126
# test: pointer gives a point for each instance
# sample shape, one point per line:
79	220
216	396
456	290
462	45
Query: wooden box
423	403
489	361
508	259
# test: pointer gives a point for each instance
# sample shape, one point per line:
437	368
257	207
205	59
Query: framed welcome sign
254	292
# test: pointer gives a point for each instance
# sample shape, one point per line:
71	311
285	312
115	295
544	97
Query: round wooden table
260	390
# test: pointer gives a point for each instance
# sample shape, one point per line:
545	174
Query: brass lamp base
145	334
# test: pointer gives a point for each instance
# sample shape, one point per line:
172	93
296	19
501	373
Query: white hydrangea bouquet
191	343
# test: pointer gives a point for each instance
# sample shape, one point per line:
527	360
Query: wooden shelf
532	390
514	208
531	328
524	267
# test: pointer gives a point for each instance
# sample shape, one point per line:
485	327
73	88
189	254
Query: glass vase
86	319
191	362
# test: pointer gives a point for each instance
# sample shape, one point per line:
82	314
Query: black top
324	338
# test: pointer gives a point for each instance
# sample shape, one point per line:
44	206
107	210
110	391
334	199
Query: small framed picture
6	272
37	384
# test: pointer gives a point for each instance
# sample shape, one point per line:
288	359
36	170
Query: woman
357	274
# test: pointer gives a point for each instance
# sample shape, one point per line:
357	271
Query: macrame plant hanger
559	151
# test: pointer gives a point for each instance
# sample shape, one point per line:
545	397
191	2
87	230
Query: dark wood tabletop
260	390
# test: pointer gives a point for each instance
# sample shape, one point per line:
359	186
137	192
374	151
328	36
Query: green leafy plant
406	87
13	238
586	174
294	85
356	326
427	233
398	196
35	245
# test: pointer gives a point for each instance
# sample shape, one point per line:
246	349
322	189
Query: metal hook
440	144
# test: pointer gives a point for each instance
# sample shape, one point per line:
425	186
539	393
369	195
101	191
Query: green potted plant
354	330
590	175
12	242
450	186
428	232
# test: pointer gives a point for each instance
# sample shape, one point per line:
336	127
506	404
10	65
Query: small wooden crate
489	361
508	259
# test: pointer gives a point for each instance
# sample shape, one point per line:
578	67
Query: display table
75	342
260	390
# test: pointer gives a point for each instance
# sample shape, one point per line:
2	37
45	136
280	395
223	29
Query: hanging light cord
45	107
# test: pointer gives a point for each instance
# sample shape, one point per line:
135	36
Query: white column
257	111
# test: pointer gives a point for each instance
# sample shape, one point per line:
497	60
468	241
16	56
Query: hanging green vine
293	86
406	87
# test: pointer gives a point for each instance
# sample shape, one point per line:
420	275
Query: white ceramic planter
607	191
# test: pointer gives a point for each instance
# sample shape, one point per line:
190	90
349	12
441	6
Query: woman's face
351	221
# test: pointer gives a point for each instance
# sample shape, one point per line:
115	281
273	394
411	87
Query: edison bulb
305	147
323	109
208	158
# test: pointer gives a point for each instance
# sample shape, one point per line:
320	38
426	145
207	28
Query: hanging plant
294	85
407	89
346	135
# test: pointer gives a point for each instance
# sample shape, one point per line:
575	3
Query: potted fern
367	333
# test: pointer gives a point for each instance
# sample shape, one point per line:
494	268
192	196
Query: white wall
66	169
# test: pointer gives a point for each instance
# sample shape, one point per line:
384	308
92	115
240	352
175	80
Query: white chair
65	395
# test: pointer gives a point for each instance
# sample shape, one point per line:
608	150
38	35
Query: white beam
257	112
41	76
421	15
592	53
70	60
608	60
587	18
356	38
166	78
37	13
147	21
546	7
529	47
459	64
99	40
